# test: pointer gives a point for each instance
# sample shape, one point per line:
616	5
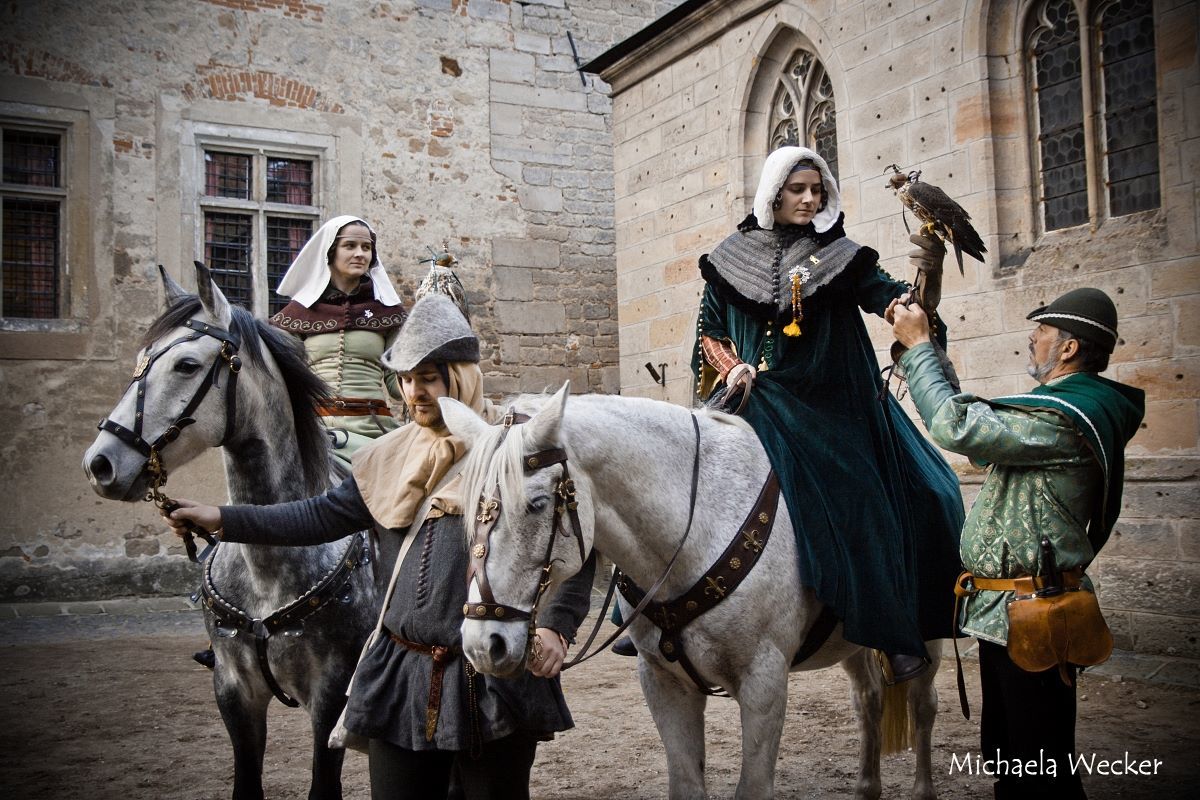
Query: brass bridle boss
565	505
226	357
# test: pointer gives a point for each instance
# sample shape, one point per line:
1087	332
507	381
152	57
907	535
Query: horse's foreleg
678	712
244	710
762	700
326	762
923	700
866	692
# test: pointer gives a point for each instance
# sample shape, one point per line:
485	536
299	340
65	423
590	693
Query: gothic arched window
802	111
1114	49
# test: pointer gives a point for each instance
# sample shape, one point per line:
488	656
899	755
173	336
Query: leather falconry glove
926	258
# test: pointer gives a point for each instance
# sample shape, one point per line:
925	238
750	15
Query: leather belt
1024	585
1028	584
441	657
354	407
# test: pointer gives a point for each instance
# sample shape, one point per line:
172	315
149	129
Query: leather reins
228	357
566	505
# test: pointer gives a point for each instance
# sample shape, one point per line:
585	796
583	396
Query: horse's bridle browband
152	450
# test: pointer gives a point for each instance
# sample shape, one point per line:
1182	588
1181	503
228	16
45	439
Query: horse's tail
896	735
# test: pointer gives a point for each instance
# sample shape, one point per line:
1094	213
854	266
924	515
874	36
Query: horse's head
179	402
529	526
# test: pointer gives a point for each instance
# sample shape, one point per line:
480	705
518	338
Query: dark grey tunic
391	685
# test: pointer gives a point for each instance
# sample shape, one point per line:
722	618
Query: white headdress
307	277
775	171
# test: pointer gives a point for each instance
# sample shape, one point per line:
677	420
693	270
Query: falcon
938	213
441	279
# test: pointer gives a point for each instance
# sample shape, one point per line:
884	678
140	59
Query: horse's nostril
101	470
496	648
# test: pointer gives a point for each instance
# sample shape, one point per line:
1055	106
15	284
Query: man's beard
1039	371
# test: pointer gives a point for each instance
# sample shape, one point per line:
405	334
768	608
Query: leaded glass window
1130	106
32	195
1097	150
258	210
803	110
1058	97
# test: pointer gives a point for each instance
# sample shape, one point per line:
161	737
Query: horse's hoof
205	658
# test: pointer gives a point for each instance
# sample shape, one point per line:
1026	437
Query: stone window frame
57	193
810	98
79	114
200	136
1088	14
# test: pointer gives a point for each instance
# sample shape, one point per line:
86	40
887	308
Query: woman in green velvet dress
347	312
876	509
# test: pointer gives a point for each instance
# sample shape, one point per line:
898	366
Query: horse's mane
496	459
305	389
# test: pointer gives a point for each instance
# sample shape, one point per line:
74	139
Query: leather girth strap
1025	585
721	579
304	606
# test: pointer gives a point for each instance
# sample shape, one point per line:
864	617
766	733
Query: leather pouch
1061	629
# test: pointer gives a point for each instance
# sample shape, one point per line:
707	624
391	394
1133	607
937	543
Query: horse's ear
174	291
543	430
461	420
211	298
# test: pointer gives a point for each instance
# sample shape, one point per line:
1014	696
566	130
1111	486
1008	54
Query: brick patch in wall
440	118
290	8
41	64
222	83
128	145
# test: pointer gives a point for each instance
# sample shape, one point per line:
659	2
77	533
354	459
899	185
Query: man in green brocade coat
1057	461
876	509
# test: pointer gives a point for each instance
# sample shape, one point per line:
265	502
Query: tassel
793	328
799	275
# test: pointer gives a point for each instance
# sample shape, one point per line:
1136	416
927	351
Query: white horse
262	413
632	460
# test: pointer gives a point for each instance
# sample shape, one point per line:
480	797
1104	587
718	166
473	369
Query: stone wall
936	86
463	121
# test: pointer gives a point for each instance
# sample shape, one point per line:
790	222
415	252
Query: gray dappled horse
275	450
631	460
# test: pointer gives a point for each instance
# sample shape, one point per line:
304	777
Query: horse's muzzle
112	480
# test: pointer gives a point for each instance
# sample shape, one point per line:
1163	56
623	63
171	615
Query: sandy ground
114	707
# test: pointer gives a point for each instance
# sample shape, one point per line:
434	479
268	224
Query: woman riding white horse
876	509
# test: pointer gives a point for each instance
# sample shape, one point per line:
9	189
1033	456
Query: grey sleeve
328	517
572	602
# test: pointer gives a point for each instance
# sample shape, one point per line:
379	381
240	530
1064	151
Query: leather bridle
564	505
227	357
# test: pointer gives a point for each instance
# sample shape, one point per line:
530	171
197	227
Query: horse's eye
537	504
186	366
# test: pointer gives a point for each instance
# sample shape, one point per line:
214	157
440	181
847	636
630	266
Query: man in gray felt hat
424	712
1056	457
